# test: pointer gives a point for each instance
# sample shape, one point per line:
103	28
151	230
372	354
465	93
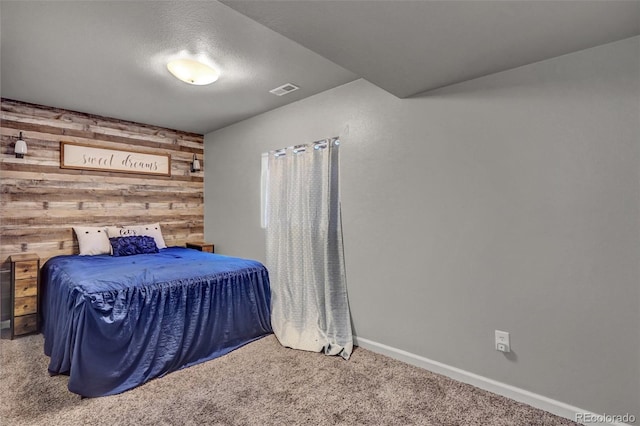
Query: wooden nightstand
199	245
25	292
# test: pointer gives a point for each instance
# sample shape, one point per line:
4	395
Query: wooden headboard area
41	202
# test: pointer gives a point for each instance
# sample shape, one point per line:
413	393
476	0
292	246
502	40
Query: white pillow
92	240
152	230
116	231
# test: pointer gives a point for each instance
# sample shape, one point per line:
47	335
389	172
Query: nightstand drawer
26	287
26	269
25	324
25	305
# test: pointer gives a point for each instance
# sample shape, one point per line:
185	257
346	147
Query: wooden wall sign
86	157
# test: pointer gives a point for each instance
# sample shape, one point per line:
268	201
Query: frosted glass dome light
193	72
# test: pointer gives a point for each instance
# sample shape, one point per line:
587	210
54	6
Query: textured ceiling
408	47
108	57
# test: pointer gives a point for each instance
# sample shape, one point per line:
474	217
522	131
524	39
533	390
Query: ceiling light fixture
193	72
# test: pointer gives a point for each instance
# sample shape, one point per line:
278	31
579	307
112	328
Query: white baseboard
538	401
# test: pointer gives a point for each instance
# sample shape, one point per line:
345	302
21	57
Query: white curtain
310	310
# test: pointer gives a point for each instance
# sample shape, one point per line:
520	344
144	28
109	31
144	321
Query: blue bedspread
113	323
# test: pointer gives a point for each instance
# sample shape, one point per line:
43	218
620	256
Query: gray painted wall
508	202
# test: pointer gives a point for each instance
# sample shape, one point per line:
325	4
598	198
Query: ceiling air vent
284	89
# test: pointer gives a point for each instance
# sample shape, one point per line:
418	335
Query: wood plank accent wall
40	202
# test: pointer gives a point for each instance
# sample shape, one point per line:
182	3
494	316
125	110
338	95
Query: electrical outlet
502	341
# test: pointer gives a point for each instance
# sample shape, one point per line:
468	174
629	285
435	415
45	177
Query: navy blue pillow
137	244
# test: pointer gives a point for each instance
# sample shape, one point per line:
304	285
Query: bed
113	323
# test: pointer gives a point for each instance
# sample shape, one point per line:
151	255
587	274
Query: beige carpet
259	384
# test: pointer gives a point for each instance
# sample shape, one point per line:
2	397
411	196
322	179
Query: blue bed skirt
113	323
